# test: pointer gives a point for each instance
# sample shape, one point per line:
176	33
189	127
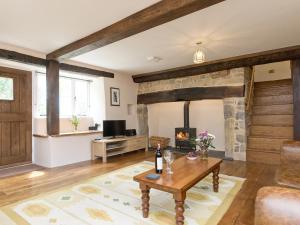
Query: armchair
277	206
288	173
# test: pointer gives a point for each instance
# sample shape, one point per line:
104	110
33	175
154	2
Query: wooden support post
52	97
295	67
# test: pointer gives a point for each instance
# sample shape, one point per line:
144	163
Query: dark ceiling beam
191	94
85	70
22	58
36	61
282	54
152	16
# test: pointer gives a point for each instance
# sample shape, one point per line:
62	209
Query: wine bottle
158	160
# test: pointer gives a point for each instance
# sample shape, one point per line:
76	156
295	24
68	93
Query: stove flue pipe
186	114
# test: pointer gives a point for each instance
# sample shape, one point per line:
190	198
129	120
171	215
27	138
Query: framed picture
114	96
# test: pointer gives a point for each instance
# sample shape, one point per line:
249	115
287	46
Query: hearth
183	135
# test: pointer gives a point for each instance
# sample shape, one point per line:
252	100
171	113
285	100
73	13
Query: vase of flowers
203	142
75	122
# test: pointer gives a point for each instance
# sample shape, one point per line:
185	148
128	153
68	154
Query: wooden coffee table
187	173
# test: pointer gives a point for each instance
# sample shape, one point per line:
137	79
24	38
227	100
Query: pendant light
199	56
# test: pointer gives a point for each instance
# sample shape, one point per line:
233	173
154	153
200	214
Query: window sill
78	133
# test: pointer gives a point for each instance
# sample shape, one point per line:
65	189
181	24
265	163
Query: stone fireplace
184	134
235	117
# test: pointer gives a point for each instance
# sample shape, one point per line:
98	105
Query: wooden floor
29	184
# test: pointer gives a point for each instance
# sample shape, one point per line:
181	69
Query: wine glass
169	157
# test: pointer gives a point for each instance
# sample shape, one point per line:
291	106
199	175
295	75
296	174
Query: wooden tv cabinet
116	146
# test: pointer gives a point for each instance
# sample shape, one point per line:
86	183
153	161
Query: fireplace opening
183	135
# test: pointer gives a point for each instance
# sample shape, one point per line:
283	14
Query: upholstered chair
277	206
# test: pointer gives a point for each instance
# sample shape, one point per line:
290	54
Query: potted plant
75	122
204	141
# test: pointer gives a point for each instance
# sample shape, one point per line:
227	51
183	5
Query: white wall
59	151
128	95
97	100
204	115
282	70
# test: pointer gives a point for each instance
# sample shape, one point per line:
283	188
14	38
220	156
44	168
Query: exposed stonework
235	128
234	108
234	77
142	114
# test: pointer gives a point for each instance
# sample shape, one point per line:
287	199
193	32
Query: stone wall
234	108
234	77
235	128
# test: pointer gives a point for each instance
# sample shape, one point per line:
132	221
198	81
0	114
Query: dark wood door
16	117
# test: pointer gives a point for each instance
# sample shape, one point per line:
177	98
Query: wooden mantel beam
191	94
36	61
152	16
271	56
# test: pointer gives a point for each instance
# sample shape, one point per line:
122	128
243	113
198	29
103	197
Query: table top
186	173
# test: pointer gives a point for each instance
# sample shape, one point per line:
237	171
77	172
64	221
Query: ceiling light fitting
199	56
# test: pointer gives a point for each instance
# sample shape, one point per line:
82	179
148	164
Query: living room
149	112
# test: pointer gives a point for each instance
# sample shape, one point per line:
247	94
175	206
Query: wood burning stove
184	134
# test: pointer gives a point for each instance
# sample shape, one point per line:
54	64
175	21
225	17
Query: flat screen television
113	128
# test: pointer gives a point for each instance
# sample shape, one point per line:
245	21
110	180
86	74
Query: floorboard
42	180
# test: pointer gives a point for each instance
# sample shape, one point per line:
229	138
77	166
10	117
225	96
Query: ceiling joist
265	57
152	16
36	61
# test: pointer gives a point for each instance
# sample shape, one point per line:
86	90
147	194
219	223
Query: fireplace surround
236	118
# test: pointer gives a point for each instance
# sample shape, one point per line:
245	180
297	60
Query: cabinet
110	147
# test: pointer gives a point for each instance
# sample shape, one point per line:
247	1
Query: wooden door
16	118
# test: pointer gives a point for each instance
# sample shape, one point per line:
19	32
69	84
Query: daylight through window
6	88
74	96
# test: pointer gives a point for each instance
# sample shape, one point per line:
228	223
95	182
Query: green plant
75	121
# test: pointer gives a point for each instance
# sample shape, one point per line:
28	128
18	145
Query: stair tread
268	137
275	151
272	100
263	157
272	121
275	82
270	125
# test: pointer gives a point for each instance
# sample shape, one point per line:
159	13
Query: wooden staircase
272	120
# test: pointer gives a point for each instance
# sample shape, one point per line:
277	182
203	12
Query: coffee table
186	174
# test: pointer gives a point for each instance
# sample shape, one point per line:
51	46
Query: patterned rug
114	198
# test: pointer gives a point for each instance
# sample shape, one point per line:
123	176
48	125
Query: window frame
12	90
73	96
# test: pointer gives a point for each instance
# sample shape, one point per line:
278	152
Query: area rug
114	198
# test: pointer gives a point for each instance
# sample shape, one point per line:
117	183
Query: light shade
199	57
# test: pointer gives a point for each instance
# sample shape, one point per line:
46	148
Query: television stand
115	146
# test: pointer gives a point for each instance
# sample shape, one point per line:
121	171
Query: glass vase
203	153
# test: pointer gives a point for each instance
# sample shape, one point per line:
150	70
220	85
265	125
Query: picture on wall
115	96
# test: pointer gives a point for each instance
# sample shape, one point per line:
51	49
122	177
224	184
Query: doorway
15	117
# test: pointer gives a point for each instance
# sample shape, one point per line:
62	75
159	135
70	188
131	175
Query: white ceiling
46	25
231	28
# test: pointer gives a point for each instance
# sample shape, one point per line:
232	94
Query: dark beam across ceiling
191	94
282	54
36	61
152	16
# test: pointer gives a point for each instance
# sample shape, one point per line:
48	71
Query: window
6	88
74	96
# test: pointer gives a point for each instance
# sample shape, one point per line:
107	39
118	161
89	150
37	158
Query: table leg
145	199
216	178
179	208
